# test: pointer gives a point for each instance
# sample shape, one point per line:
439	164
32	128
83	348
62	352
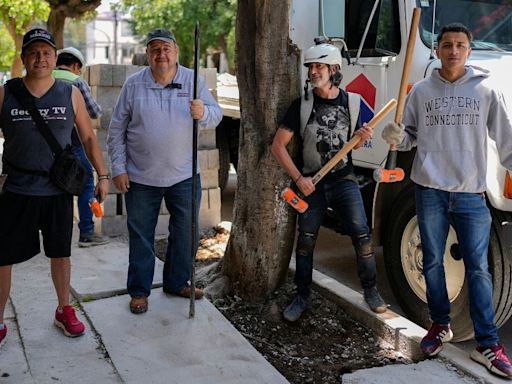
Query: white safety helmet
322	53
74	52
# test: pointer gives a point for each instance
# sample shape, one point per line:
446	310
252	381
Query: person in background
70	62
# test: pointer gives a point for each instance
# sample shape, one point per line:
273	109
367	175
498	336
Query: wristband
103	177
298	178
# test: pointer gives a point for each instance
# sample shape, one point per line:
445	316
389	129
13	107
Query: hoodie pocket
447	168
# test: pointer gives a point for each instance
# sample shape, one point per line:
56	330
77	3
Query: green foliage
23	13
216	19
7	50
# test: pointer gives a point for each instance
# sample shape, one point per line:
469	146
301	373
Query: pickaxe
293	198
390	173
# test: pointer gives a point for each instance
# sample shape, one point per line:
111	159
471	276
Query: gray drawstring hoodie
449	123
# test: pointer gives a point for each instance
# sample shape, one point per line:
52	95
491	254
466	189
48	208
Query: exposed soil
319	348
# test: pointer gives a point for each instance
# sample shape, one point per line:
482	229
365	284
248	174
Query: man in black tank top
30	202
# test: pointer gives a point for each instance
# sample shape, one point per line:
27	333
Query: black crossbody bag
67	172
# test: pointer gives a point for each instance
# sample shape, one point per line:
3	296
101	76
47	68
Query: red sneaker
68	322
3	333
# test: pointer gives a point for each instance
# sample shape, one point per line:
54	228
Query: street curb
397	331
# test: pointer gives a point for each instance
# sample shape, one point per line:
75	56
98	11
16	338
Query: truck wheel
224	158
404	266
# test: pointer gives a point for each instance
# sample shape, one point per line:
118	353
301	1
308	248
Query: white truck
375	33
373	37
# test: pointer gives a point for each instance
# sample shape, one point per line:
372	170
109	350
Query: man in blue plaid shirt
70	62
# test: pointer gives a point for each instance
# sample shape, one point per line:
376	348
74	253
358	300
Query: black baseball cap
38	34
160	34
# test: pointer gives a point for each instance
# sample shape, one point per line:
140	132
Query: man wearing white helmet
70	62
325	119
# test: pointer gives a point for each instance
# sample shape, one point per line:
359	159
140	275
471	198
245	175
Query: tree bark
261	242
17	64
55	25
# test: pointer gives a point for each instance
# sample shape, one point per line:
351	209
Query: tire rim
412	263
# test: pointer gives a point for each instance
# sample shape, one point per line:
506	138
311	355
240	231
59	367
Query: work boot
374	300
92	239
295	309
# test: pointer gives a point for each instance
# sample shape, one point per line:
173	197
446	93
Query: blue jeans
142	207
344	197
85	222
470	217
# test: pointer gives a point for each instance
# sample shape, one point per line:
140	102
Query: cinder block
206	138
208	159
106	96
100	74
210	76
118	75
210	199
131	69
104	120
85	74
114	205
210	178
209	218
114	225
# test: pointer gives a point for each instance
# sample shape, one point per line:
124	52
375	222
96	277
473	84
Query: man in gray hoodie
448	116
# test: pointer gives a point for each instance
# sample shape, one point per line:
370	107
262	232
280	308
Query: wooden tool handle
353	142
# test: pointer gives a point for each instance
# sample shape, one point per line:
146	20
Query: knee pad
305	243
363	245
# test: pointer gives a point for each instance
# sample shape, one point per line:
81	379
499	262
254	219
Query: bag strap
26	100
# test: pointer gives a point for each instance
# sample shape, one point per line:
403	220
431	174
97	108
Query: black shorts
21	219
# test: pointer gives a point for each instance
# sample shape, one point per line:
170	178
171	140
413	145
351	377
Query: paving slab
101	271
425	372
13	365
165	346
52	356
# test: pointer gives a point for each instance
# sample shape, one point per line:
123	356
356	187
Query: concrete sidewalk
163	345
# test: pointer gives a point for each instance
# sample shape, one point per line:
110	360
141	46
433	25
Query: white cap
74	52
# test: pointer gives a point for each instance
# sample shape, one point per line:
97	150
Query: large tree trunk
17	64
55	25
261	241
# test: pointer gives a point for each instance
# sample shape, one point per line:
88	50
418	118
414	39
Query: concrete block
104	120
209	218
85	74
118	75
106	96
100	74
210	76
210	198
208	159
116	225
209	178
206	138
131	69
114	205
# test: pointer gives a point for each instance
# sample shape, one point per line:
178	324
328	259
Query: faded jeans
470	217
142	207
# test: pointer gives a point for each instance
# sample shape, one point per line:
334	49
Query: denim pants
142	207
85	222
470	217
344	197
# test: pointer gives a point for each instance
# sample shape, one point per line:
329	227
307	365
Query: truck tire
403	261
222	140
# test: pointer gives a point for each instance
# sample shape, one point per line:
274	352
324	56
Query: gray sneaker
374	301
91	240
295	309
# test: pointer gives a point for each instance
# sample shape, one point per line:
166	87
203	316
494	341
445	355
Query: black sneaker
374	301
91	240
296	308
